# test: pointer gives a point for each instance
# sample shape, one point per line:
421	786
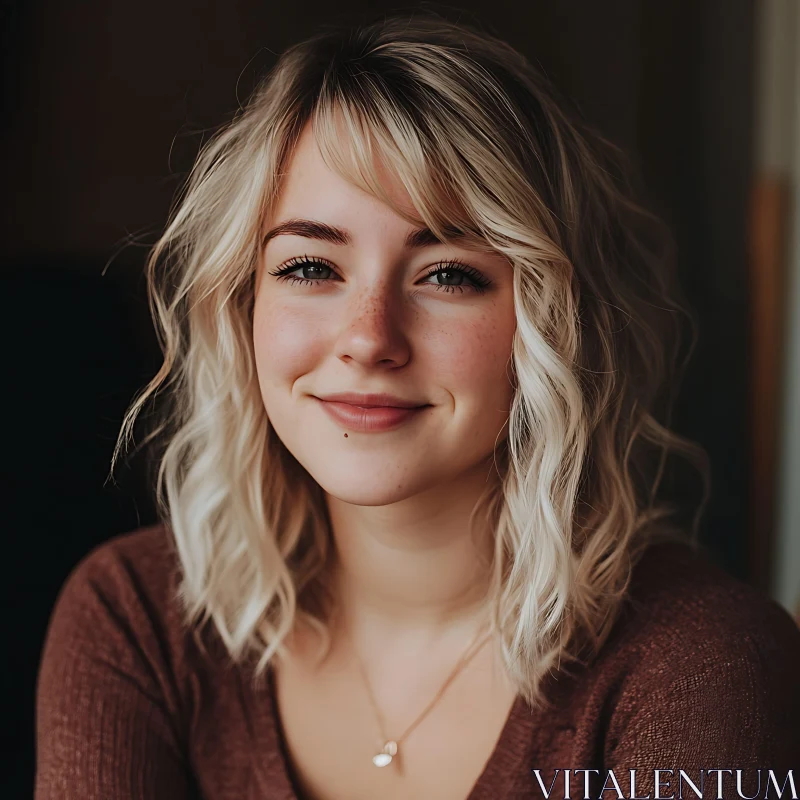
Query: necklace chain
390	746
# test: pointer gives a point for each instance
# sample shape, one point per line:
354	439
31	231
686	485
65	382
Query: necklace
389	750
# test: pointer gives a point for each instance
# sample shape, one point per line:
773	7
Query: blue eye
314	270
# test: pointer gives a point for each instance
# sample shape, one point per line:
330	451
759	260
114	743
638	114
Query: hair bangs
375	144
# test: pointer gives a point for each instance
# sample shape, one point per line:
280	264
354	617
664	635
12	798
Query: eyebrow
311	229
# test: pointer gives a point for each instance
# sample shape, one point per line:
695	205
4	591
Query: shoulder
701	663
114	686
120	603
133	573
681	599
148	552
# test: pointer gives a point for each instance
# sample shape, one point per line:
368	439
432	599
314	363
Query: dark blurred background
104	107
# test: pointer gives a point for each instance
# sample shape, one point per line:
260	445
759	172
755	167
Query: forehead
309	187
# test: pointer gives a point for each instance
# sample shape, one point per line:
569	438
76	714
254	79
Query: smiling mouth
369	419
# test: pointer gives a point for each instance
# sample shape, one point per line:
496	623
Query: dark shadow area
84	354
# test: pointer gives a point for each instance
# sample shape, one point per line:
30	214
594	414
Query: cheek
471	355
287	343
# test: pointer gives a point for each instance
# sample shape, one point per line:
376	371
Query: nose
373	329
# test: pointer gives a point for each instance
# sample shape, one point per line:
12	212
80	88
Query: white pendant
385	757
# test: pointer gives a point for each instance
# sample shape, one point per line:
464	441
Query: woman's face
367	316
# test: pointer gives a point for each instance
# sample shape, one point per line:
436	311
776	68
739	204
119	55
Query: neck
412	569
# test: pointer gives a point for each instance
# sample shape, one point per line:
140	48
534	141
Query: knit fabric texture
701	673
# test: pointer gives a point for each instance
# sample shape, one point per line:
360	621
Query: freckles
447	347
466	349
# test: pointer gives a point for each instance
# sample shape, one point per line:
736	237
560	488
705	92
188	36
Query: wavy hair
484	146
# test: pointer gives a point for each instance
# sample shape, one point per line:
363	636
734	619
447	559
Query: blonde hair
477	138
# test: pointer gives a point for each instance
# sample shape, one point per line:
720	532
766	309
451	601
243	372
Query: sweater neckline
505	766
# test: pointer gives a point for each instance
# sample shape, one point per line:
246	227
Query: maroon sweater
699	674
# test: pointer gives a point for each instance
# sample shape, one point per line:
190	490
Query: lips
372	400
369	419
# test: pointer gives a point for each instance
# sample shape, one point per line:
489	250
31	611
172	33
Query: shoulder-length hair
475	134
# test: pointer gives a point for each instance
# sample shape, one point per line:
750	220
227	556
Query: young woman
418	340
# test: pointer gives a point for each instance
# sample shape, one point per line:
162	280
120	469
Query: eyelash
479	282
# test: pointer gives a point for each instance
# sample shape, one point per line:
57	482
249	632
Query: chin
361	491
358	493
